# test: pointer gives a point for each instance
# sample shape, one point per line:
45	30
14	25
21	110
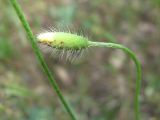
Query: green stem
40	58
138	70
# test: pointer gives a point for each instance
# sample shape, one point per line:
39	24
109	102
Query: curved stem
138	70
40	58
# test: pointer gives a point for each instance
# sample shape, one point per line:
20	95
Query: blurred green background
101	86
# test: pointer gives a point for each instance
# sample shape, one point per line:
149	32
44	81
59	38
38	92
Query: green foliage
13	89
156	3
36	113
5	49
65	13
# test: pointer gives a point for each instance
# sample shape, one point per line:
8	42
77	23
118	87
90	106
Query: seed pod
70	46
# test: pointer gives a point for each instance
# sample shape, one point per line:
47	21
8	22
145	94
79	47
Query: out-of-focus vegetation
100	87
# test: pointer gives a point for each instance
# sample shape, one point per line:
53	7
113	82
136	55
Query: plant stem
138	70
40	58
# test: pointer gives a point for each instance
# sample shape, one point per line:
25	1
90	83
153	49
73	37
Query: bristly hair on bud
64	45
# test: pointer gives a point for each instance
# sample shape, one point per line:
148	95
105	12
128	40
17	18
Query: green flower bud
64	45
62	40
